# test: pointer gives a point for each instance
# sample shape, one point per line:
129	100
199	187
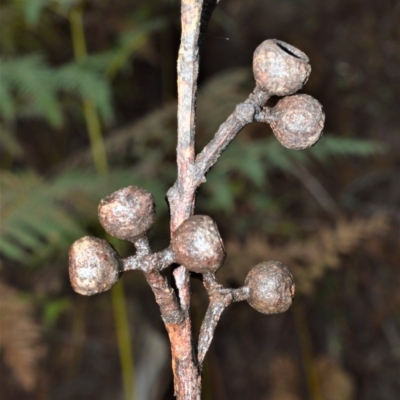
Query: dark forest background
80	76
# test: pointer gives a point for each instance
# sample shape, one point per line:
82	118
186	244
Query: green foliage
130	42
29	87
53	309
33	9
245	167
332	146
40	217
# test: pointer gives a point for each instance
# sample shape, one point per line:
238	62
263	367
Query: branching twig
244	114
196	245
220	298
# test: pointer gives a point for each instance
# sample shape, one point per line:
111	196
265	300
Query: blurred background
88	105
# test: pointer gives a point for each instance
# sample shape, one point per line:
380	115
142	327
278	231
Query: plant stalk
92	119
181	198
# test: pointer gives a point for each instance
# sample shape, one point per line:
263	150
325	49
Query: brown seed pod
271	287
128	213
94	266
197	245
298	121
279	68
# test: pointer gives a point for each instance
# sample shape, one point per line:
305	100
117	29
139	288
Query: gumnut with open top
297	121
279	68
128	213
94	266
197	245
271	287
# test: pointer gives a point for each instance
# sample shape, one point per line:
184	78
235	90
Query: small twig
244	114
149	262
142	246
220	298
165	298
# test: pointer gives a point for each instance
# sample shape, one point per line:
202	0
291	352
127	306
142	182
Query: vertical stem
91	116
188	70
123	339
181	197
99	154
96	140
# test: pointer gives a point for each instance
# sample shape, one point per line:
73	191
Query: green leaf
87	85
31	84
130	42
332	146
54	309
12	250
33	9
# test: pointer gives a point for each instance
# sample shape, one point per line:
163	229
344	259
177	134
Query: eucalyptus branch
196	245
245	113
149	262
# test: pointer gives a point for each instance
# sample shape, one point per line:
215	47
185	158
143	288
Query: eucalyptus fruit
94	266
197	245
271	287
297	121
128	213
279	68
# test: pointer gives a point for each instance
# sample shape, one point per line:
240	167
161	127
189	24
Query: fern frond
35	87
20	338
132	41
32	9
333	146
87	84
31	216
41	216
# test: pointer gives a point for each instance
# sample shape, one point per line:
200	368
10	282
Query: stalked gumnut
94	266
297	121
197	245
279	68
271	287
128	213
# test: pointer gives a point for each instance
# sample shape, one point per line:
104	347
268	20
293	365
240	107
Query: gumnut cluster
279	69
129	214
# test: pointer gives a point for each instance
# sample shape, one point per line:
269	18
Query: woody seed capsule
128	213
271	287
197	245
279	68
94	266
298	121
